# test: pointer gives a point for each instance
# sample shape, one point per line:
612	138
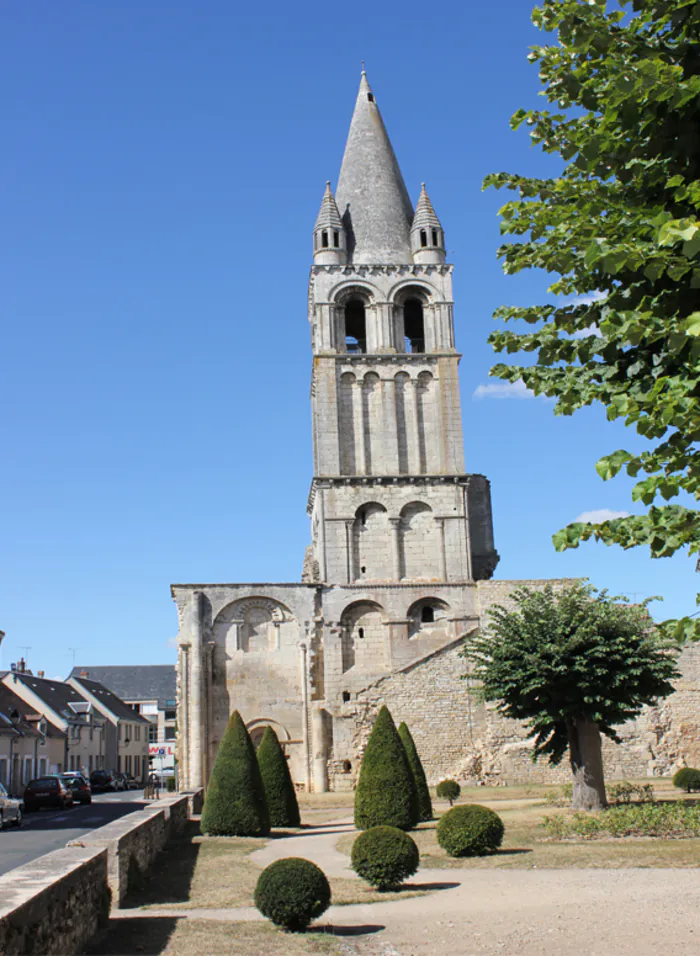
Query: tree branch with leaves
620	227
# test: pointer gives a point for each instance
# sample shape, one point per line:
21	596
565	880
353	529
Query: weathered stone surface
54	904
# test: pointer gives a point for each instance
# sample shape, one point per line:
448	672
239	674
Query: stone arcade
402	542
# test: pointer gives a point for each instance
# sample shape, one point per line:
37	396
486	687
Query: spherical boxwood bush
448	790
470	830
384	856
687	779
292	892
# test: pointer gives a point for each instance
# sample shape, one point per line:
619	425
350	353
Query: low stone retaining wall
195	801
135	840
54	904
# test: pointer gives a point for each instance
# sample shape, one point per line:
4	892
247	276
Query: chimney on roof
85	674
40	673
21	666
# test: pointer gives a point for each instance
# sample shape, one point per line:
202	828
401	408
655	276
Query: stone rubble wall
461	737
54	904
135	840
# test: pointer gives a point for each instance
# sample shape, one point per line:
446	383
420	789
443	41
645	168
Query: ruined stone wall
459	736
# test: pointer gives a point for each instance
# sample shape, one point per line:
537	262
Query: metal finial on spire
364	72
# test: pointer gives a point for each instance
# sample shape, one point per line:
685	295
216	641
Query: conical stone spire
427	237
328	215
372	195
425	217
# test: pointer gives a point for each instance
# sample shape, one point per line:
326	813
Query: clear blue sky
162	167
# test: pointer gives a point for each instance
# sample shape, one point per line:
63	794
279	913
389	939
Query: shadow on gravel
284	834
429	886
333	930
514	851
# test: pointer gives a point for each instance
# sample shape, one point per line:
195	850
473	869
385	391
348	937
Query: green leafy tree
386	793
573	665
425	806
620	226
279	789
235	803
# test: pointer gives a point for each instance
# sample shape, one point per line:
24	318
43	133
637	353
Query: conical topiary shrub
235	803
279	789
425	806
386	793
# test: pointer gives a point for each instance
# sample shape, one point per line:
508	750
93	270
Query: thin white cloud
587	298
602	514
589	330
503	390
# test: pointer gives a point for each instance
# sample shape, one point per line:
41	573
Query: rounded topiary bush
448	790
384	856
292	892
687	779
470	830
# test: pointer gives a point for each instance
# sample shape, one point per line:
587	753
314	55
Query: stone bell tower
390	500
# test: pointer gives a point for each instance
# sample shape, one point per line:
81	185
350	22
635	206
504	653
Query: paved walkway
630	912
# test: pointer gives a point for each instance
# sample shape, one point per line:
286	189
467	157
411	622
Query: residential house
127	750
87	732
30	745
150	688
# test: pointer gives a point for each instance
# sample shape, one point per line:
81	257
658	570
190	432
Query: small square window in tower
355	326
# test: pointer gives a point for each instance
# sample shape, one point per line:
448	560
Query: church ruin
402	552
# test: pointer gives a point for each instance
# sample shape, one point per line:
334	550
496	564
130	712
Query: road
47	830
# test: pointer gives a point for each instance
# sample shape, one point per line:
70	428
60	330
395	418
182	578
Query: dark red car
49	791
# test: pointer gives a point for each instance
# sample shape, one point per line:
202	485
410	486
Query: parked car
78	786
11	809
122	780
132	782
49	791
102	780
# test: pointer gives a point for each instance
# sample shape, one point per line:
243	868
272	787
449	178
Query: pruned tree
424	803
386	793
620	226
235	804
572	664
279	788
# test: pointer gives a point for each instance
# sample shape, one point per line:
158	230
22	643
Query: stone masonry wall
54	904
459	736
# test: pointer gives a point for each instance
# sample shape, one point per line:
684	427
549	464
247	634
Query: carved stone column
396	546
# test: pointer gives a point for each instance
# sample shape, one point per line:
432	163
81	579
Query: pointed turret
330	240
372	196
427	236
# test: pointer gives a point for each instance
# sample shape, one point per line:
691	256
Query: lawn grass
171	936
526	845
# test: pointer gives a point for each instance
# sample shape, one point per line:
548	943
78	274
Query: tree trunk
588	791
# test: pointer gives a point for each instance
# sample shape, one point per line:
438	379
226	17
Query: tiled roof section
328	215
372	196
110	700
54	694
425	217
137	682
11	702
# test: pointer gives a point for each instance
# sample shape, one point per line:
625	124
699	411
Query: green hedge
425	806
235	803
687	779
386	793
470	830
277	781
291	892
384	856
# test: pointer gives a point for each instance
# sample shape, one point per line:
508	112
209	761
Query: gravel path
627	912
